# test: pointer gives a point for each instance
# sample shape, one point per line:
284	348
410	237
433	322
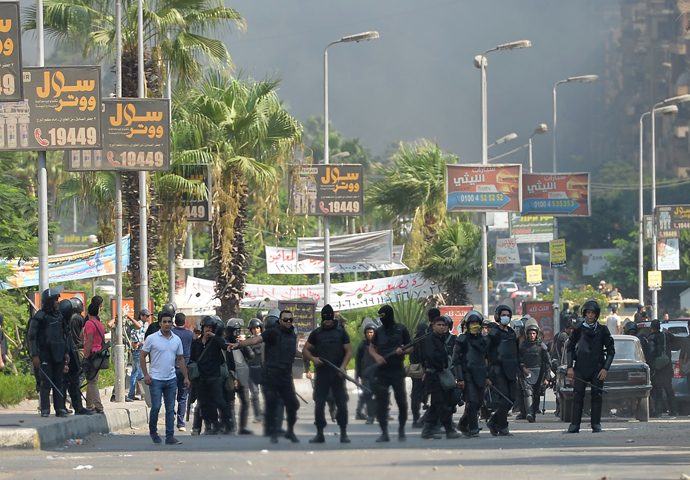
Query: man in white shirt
165	349
613	322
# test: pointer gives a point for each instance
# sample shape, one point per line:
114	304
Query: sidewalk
21	426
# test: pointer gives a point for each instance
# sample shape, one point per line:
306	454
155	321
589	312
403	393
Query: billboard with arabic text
563	194
327	190
482	188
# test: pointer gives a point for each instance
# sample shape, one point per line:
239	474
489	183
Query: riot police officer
363	360
49	351
256	326
241	358
590	353
71	380
505	362
470	359
535	356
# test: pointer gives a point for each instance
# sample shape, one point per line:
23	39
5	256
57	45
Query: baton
51	382
301	398
589	384
347	377
503	396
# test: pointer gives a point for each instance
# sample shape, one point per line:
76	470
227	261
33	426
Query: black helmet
208	321
630	328
271	320
168	308
77	305
499	309
234	324
473	316
448	320
255	322
49	296
420	329
370	325
65	309
220	326
592	305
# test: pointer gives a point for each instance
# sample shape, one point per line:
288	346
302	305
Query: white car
504	289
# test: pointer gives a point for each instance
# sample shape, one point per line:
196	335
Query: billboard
136	136
594	261
11	85
563	194
304	314
531	229
197	210
542	312
670	219
457	313
481	188
327	190
507	251
557	254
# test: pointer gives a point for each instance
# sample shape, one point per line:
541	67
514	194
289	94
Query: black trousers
474	398
507	387
212	399
51	371
242	393
276	384
441	408
528	397
326	380
579	389
417	397
71	383
385	379
662	382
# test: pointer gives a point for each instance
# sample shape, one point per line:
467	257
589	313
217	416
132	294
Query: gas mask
474	328
505	320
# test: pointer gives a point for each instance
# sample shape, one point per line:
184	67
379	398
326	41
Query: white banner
668	256
594	261
373	247
284	260
507	251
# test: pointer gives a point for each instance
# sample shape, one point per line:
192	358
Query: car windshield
681	331
627	350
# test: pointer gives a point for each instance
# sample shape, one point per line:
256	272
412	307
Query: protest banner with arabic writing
327	190
283	260
542	312
563	194
507	251
481	188
11	84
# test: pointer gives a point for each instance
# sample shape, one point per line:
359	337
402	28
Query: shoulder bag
662	360
99	360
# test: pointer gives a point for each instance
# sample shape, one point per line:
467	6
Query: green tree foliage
18	220
578	297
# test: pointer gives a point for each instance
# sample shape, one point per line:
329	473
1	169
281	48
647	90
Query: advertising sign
668	254
11	85
128	308
457	313
480	188
64	295
507	251
564	194
197	210
136	136
531	229
648	226
595	261
304	313
670	219
654	279
61	110
542	312
327	190
557	254
533	275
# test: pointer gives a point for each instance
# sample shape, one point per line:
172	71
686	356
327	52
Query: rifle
344	374
367	371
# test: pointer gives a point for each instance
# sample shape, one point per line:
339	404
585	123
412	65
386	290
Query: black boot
451	432
596	427
343	435
319	438
290	434
401	433
573	429
428	432
384	435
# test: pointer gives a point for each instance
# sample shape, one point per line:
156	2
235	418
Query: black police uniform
72	380
255	368
209	385
418	395
589	350
470	359
662	377
276	381
436	360
238	362
505	362
535	356
364	360
388	338
329	343
48	340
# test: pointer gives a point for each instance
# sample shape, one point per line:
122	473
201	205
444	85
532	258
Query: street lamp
667	110
542	128
668	101
481	63
556	279
359	37
504	139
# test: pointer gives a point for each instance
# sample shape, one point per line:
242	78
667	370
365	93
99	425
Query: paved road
626	450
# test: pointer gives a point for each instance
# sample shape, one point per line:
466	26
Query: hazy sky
418	80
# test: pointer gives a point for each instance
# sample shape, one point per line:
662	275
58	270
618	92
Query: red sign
128	308
63	296
481	188
457	313
542	312
564	194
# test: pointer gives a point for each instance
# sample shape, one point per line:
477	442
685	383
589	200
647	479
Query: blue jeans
136	375
163	389
181	398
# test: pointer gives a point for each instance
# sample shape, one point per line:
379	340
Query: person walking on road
187	337
136	338
659	348
165	349
94	333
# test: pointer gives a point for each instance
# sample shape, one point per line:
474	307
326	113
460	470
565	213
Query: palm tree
454	260
242	124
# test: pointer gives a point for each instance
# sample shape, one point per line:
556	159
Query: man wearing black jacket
363	359
659	349
590	353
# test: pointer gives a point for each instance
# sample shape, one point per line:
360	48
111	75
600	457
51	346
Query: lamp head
359	37
507	138
515	45
667	110
542	128
584	79
676	100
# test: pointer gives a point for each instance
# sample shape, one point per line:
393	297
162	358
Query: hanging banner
94	262
533	275
283	260
564	194
480	188
327	190
507	251
668	254
344	296
11	84
372	247
542	312
654	279
457	313
557	254
531	229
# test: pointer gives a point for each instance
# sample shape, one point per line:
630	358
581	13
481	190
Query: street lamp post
667	110
542	128
668	101
556	279
359	37
480	62
504	139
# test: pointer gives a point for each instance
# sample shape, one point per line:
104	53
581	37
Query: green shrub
15	388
